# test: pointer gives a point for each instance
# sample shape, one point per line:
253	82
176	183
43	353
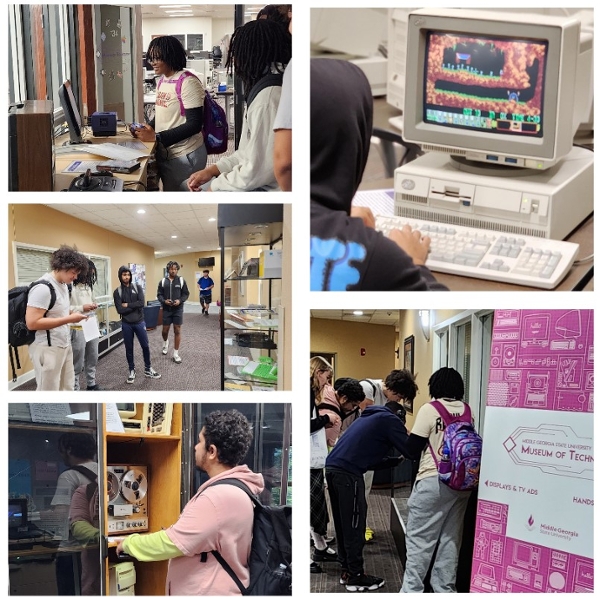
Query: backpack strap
270	80
178	85
52	302
86	472
240	485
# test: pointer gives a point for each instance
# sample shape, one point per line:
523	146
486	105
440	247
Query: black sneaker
315	568
131	377
364	582
95	388
150	372
324	555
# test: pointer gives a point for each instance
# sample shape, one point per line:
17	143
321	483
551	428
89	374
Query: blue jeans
139	330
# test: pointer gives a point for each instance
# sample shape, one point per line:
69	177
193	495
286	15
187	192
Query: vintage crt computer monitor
71	111
495	107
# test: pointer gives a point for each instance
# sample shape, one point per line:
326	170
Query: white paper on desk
114	424
80	166
135	144
114	151
90	328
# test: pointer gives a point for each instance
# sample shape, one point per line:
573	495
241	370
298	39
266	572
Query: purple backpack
214	128
461	447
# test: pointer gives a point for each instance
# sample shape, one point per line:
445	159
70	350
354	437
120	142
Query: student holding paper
85	353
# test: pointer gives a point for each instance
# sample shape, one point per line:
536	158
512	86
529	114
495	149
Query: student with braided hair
258	54
85	353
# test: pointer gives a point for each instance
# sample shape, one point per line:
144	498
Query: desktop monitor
126	410
71	111
17	513
492	87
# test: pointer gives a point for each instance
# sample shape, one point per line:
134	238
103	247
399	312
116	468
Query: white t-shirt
39	297
373	389
283	120
168	110
429	424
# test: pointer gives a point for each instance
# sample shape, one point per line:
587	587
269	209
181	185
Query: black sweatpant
349	510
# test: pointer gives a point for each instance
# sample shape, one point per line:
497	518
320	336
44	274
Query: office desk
579	278
63	180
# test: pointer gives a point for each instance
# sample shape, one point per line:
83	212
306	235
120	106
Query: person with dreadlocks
258	54
177	125
85	353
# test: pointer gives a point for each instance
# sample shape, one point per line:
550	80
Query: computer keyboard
484	254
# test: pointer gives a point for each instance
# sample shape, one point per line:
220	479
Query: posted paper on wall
535	514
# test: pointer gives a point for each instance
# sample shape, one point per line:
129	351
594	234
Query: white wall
212	29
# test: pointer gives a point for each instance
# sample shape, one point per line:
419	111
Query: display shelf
111	333
250	317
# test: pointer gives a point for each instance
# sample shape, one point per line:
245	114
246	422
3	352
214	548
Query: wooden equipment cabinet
163	456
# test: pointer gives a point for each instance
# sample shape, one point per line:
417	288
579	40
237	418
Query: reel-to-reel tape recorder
127	488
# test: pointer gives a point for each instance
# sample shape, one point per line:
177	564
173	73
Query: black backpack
271	551
270	80
18	333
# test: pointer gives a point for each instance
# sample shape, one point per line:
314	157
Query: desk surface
579	278
63	180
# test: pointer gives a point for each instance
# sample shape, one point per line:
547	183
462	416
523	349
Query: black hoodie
344	253
133	296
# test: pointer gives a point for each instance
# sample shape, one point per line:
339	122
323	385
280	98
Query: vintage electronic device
30	132
499	149
104	124
484	254
121	579
155	419
127	489
96	182
269	265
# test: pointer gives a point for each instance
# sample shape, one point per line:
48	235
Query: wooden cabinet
162	454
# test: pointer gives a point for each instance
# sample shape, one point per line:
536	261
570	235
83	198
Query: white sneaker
165	347
131	377
177	358
150	372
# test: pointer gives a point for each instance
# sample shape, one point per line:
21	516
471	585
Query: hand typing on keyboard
412	242
481	253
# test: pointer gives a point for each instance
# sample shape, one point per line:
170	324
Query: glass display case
251	313
109	324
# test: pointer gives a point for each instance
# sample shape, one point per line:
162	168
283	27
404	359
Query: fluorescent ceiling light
357	312
212	220
173	236
141	211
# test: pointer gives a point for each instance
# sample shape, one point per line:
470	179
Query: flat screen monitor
492	87
71	111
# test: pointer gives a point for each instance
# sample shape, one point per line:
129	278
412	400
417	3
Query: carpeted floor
380	555
200	369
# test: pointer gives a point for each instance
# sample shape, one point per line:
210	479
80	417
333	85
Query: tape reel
134	485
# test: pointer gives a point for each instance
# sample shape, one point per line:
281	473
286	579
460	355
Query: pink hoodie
219	518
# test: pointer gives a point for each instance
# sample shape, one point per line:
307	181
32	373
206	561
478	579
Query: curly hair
402	382
168	49
256	47
82	445
231	433
275	12
172	263
446	382
66	258
351	389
